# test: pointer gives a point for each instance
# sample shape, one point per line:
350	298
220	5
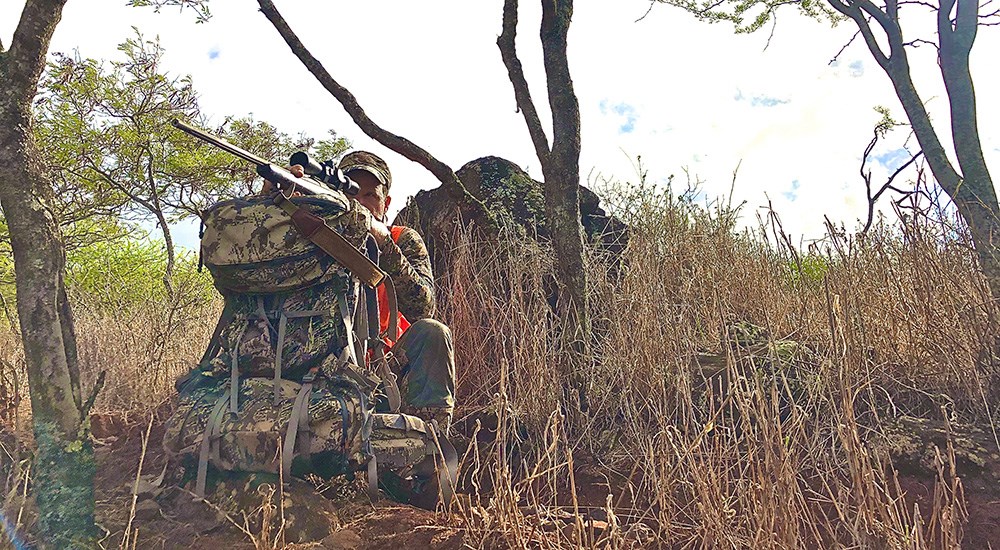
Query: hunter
423	357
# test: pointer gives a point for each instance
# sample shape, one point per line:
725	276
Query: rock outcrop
516	200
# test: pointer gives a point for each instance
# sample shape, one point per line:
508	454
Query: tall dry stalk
755	447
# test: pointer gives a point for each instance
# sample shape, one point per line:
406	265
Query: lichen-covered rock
515	199
915	443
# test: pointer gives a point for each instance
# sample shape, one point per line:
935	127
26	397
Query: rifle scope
326	172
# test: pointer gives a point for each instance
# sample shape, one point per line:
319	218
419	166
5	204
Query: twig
135	485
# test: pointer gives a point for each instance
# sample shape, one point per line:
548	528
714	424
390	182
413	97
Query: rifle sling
336	246
323	236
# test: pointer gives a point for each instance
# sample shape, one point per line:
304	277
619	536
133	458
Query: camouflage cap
369	162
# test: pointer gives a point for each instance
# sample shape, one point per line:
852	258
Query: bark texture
561	172
63	484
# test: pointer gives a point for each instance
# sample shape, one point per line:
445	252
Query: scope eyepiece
326	172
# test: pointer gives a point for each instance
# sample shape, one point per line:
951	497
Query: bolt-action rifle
322	176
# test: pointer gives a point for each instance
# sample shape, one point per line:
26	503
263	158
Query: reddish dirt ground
175	519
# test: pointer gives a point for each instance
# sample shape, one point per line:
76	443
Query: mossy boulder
517	202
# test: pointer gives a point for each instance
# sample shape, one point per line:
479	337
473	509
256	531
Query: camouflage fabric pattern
369	162
399	440
250	440
409	265
250	245
308	339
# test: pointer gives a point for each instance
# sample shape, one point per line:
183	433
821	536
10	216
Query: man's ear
388	199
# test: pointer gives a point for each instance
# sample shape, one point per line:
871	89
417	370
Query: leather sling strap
336	246
315	229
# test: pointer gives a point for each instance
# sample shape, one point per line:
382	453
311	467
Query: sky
690	99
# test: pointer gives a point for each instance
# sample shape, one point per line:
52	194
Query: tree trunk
975	196
63	483
168	242
561	171
562	192
970	186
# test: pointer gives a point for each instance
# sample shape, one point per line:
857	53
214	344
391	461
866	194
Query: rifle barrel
277	175
219	142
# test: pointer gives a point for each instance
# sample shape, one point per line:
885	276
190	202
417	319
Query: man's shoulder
405	234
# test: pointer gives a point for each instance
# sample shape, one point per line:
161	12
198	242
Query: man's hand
380	231
295	169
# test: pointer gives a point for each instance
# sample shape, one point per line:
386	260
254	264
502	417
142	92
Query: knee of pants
427	329
431	327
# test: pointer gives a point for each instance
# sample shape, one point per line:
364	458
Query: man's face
372	194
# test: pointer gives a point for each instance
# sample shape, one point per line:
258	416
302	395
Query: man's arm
409	265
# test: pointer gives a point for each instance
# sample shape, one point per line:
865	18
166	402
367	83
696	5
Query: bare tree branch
522	95
917	3
917	42
872	199
888	184
449	180
864	28
774	25
888	20
844	47
648	11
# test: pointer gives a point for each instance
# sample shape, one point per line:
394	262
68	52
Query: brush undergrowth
701	440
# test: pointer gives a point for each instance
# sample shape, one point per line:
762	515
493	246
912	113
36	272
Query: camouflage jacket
409	265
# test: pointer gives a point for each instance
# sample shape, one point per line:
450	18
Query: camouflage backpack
280	386
325	428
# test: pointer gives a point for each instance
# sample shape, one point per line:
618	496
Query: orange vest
383	300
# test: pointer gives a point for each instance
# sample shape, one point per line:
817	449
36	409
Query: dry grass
740	451
758	453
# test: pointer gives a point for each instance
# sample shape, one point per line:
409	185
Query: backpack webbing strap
448	471
361	327
211	431
345	314
215	342
234	375
299	420
279	347
315	229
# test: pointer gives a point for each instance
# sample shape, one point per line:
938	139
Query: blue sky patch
793	193
624	110
760	100
213	53
857	68
890	160
765	101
